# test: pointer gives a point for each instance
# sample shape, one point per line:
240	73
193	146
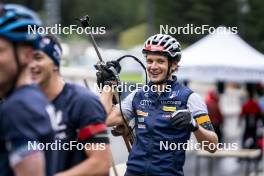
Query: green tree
254	24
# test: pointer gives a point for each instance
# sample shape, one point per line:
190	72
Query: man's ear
174	66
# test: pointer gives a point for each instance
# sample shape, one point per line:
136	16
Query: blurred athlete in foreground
24	117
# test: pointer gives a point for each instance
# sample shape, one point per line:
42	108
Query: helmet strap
19	69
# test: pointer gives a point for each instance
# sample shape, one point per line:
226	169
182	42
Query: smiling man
168	116
80	116
24	117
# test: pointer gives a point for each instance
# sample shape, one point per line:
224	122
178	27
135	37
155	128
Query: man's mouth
35	74
155	74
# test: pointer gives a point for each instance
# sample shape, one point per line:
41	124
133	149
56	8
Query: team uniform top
81	118
24	119
152	112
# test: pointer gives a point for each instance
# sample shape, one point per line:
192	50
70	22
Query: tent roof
222	56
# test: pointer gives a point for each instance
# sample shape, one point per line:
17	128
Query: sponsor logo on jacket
169	108
145	102
170	102
141	113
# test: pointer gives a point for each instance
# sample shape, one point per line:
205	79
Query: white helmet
163	44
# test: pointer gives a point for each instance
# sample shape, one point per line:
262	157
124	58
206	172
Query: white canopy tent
222	56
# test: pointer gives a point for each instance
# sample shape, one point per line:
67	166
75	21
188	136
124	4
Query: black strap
19	70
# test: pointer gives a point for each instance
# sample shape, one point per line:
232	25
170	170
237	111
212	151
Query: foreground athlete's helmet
14	23
163	44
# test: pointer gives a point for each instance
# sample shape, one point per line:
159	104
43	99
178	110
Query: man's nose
32	64
154	65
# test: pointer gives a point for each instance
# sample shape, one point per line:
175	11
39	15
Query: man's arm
113	113
205	133
33	164
106	98
207	137
97	163
114	116
93	135
24	124
201	126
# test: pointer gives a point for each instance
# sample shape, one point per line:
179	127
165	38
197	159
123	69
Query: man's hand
183	119
107	73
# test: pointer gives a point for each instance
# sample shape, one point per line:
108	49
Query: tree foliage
119	15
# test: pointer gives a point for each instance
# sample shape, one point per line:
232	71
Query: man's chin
36	80
156	80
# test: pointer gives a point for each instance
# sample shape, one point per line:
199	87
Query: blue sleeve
23	122
91	111
127	107
91	117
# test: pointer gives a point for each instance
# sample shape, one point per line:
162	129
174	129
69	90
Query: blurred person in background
260	97
215	113
260	130
251	113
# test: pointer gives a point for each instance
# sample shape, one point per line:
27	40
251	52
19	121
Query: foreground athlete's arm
21	126
33	164
205	133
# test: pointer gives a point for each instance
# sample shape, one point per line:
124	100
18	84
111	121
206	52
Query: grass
132	77
133	36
